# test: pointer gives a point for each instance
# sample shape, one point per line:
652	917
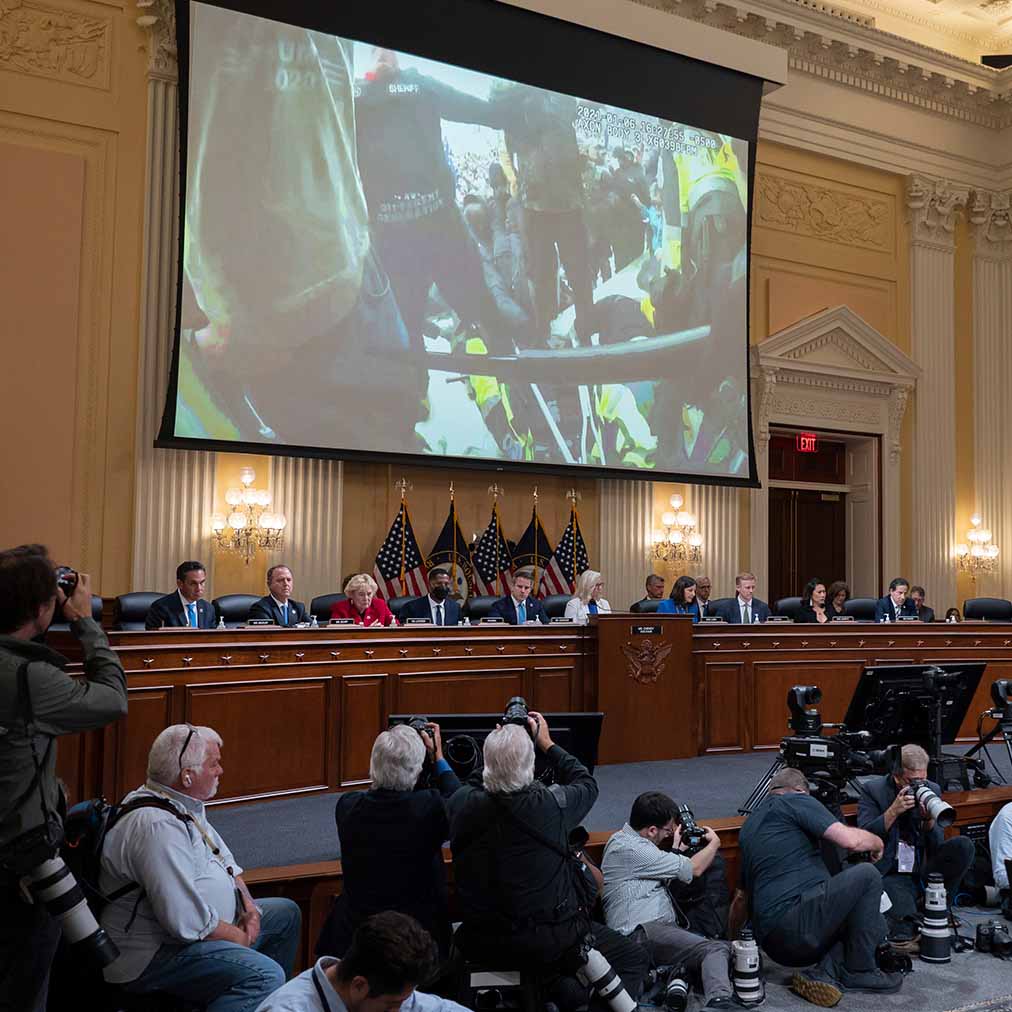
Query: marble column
933	206
310	494
991	228
624	518
175	488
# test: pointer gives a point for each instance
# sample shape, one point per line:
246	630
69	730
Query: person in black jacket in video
391	840
409	188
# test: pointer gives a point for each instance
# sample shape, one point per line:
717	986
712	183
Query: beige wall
72	117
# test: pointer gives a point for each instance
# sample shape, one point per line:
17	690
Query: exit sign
807	442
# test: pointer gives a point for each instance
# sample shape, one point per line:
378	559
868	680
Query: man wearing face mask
437	606
179	912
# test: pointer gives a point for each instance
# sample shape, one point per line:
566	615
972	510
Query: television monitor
460	233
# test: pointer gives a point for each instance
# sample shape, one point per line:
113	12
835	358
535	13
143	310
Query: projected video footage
387	254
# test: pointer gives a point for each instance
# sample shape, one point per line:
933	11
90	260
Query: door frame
831	367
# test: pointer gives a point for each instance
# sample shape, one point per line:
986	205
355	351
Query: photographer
33	675
524	900
392	843
637	873
801	915
914	845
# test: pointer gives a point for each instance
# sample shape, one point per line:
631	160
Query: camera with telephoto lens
676	990
516	712
66	579
693	838
594	971
35	857
941	811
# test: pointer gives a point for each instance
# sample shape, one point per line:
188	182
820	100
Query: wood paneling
362	718
554	689
723	707
454	691
149	711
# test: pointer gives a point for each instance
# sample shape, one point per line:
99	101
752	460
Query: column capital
932	208
990	214
158	19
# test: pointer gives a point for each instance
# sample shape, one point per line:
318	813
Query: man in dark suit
437	606
278	605
655	593
895	603
703	589
924	612
186	607
744	606
914	843
519	607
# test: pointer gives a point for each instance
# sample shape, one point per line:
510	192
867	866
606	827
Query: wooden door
807	537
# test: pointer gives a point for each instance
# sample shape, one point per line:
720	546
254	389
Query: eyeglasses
186	745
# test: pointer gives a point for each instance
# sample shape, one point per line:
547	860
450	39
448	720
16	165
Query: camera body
693	838
421	725
942	812
66	579
517	712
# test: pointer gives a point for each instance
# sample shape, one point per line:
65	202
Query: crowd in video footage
404	220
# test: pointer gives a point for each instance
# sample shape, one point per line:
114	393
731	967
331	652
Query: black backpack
84	831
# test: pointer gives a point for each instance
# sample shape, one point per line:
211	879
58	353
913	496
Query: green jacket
61	704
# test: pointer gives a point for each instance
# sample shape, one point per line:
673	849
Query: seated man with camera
903	809
800	914
524	898
39	702
637	873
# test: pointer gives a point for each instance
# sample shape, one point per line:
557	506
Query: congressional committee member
588	599
277	604
682	600
186	607
895	603
362	604
518	606
437	606
744	607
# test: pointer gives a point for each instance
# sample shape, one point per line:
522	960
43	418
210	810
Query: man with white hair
391	845
179	912
514	877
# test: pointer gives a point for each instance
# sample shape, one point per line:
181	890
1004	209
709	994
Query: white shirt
301	994
636	875
186	608
188	888
281	607
577	611
433	605
1000	838
742	604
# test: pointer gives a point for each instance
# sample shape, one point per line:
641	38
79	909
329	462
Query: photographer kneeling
523	898
38	703
914	844
800	914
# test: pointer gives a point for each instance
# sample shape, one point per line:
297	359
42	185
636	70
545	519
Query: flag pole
403	486
572	496
495	491
537	527
453	542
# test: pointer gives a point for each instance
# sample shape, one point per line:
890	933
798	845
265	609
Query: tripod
1004	727
763	787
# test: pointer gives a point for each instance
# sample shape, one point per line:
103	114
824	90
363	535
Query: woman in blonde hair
361	604
588	600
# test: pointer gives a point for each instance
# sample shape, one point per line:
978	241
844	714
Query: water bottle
935	935
221	622
467	621
746	978
314	623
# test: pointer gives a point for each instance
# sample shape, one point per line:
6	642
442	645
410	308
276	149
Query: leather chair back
555	604
987	609
234	608
644	606
789	606
862	608
321	606
716	603
477	607
131	610
396	603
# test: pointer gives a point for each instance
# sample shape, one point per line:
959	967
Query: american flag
568	561
492	559
533	550
398	568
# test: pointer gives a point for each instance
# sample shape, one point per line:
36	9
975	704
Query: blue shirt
669	607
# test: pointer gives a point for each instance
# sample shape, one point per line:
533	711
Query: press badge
905	858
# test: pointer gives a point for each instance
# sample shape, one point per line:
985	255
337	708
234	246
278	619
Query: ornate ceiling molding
847	49
990	216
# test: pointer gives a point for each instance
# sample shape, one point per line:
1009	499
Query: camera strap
28	717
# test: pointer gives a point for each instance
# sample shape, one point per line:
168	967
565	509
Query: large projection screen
463	234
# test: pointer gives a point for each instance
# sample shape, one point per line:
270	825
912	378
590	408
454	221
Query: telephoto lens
941	811
53	885
597	973
935	934
676	990
746	974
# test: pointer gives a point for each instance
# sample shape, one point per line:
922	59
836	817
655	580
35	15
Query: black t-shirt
780	855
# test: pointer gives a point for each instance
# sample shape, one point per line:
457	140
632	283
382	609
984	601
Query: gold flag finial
572	495
403	484
535	496
495	491
451	491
